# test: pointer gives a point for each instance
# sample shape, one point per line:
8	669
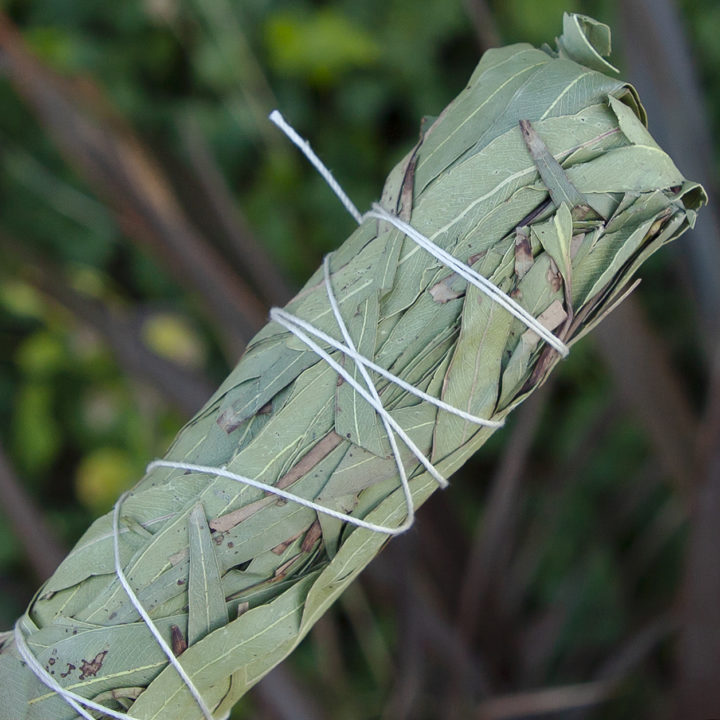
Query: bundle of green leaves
542	177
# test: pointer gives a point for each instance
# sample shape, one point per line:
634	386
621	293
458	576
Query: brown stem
247	252
122	170
650	387
494	535
42	548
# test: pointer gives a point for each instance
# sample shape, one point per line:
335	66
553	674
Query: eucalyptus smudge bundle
542	177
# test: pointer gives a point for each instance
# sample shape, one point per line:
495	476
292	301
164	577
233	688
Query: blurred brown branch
649	386
495	533
241	244
42	548
119	167
698	691
483	21
545	701
284	697
661	61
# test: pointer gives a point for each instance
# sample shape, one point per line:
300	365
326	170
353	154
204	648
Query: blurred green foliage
318	47
356	78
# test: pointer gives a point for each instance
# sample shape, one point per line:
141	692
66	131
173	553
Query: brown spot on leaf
442	293
283	546
313	534
90	668
228	421
179	556
554	277
477	256
243	607
523	252
70	668
282	570
179	643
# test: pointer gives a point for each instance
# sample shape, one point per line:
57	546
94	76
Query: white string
224	472
352	353
296	326
472	276
277	118
207	713
77	701
378	212
288	321
73	699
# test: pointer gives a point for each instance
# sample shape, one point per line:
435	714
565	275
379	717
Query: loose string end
276	118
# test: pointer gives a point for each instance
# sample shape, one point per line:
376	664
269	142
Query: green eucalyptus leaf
206	597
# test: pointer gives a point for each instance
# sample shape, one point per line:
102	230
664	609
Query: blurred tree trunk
660	60
698	694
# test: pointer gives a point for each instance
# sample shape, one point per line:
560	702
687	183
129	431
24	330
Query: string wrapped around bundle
513	226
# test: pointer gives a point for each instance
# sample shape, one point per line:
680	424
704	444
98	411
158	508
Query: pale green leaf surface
257	639
561	190
630	125
586	41
472	379
555	235
635	168
355	419
206	598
